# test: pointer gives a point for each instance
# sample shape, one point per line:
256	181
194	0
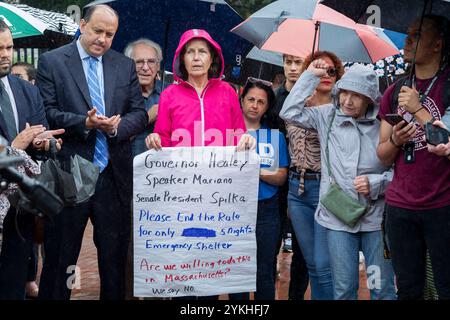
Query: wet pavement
89	285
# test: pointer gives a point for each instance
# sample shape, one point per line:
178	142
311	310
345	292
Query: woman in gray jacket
353	137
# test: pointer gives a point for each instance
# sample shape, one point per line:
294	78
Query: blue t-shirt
271	147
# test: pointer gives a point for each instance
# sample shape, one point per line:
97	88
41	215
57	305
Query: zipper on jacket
202	111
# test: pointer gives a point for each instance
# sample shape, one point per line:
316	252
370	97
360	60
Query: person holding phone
418	198
440	149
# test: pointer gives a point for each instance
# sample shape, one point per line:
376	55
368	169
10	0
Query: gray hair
146	42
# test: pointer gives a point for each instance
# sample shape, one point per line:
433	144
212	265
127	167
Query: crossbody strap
327	154
327	151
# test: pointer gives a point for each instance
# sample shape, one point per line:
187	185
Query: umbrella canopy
395	15
324	29
164	21
55	21
271	57
261	24
21	23
36	28
396	39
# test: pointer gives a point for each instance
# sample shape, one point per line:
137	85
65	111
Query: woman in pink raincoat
199	109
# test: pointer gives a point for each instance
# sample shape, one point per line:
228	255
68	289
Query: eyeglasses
151	62
332	72
260	81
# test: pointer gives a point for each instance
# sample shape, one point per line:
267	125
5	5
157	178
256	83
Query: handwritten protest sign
194	221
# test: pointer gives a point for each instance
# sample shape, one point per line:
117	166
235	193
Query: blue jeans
312	237
267	234
344	250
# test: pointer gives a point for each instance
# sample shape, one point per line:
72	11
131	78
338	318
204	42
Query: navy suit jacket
65	93
28	103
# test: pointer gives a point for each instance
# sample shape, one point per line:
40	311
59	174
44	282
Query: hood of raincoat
185	38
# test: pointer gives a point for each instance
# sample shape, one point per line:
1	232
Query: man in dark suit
23	124
92	92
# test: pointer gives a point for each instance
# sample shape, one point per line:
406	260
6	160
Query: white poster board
194	221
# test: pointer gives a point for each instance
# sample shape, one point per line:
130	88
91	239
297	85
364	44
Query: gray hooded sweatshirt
352	149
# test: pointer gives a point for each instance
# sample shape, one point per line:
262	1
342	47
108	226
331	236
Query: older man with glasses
147	56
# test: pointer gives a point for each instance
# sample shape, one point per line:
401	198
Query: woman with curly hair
304	182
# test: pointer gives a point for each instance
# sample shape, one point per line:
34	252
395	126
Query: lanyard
423	96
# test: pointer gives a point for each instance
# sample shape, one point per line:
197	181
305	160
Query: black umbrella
164	21
394	15
74	182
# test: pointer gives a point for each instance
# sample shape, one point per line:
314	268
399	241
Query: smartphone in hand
394	119
435	135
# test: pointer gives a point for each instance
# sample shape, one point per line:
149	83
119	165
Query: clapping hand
101	122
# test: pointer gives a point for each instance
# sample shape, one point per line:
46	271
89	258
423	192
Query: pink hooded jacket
186	118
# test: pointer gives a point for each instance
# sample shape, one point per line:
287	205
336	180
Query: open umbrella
271	57
36	28
318	27
164	21
21	23
263	57
394	15
396	39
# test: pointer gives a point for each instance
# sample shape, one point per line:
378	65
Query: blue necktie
101	153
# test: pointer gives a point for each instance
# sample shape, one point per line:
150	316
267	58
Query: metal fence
28	55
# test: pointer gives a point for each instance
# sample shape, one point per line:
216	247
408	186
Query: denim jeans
267	234
344	250
410	234
312	237
299	277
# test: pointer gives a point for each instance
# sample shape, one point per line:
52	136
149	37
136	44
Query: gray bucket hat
361	79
